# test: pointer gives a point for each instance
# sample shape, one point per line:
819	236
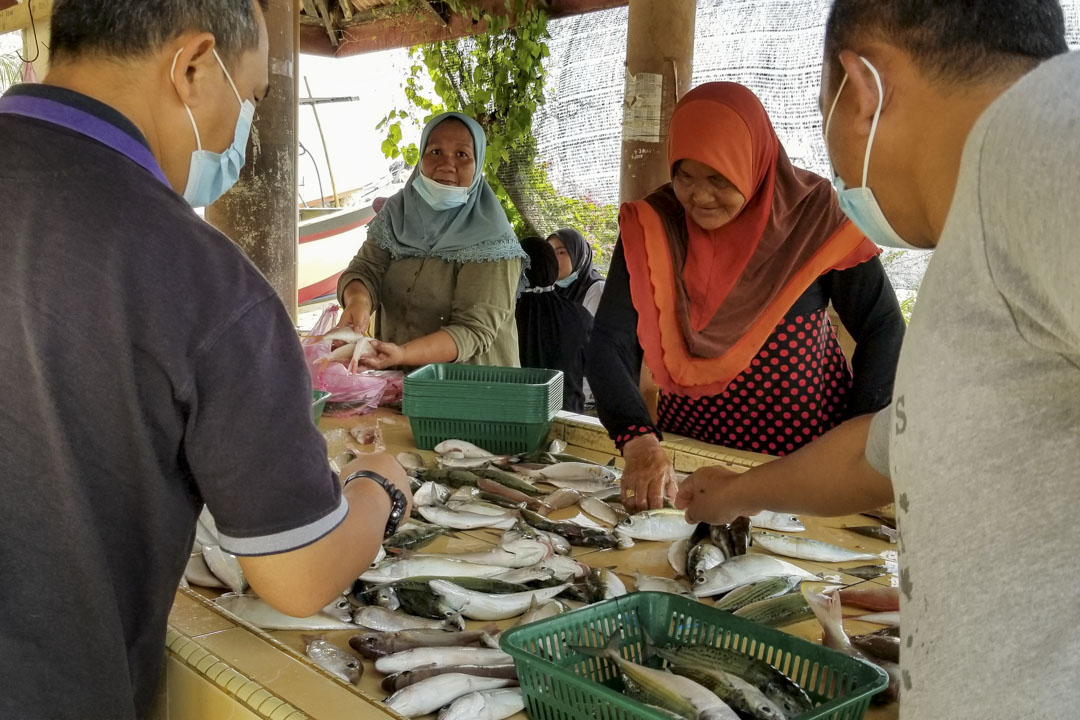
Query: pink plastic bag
350	393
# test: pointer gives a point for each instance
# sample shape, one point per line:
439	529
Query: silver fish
703	557
461	448
739	694
782	522
376	644
440	657
517	554
226	567
257	612
587	486
676	556
466	521
829	614
880	618
489	606
560	499
651	583
373	617
540	612
431	493
743	570
340	609
663	524
557	446
576	471
468	463
613	586
599	510
476	507
397	681
429	695
806	548
403	569
334	660
486	705
410	460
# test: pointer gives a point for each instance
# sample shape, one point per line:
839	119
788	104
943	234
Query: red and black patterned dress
798	386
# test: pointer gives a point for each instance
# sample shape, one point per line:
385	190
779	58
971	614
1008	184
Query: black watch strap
398	501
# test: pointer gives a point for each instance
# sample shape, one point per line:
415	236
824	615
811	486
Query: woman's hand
357	311
648	477
386	355
713	495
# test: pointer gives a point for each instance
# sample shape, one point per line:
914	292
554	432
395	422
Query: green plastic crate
504	410
318	404
561	684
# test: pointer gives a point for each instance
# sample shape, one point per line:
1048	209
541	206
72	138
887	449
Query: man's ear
865	91
195	66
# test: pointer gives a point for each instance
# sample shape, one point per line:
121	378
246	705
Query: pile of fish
409	609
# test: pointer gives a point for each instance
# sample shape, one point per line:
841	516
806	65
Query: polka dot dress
795	389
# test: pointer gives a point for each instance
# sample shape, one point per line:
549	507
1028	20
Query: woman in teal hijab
441	264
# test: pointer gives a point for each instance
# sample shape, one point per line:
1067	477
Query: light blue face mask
859	204
439	196
212	174
568	280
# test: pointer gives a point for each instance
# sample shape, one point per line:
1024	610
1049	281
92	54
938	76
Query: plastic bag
350	393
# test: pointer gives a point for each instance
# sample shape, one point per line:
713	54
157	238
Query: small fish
586	486
612	586
516	554
334	660
510	480
393	570
829	614
340	609
486	606
376	644
414	535
461	448
440	657
560	499
673	693
743	570
257	612
466	521
703	556
663	524
774	685
777	611
878	532
650	583
557	446
376	618
866	572
872	596
429	695
398	681
476	506
342	334
806	548
781	522
885	647
486	705
881	618
489	486
758	591
576	471
599	510
537	611
467	463
740	695
410	460
226	567
431	493
676	556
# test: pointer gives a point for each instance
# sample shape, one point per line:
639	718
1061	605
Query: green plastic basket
318	404
559	683
504	410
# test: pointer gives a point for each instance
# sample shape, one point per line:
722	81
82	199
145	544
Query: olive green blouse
416	296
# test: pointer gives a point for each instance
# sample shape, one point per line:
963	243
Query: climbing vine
496	76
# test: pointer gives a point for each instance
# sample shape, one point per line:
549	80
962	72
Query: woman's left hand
386	355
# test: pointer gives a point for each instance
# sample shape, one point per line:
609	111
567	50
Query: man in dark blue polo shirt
146	366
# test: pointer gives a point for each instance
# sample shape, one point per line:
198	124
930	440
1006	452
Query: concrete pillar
260	212
659	63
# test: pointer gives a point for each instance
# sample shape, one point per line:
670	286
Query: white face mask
439	196
860	204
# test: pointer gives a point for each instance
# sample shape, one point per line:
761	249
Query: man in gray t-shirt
975	139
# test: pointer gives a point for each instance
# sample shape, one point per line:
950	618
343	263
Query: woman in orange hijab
721	281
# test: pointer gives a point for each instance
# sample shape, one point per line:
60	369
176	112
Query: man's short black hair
128	28
953	41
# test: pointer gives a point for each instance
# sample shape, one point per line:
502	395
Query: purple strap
86	124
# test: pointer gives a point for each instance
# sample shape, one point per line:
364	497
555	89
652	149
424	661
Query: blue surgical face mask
212	174
568	280
439	196
859	204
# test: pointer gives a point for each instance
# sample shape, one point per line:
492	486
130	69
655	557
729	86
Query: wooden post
260	213
659	63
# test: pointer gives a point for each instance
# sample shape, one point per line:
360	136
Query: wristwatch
398	501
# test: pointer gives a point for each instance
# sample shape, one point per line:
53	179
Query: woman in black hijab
553	330
578	280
